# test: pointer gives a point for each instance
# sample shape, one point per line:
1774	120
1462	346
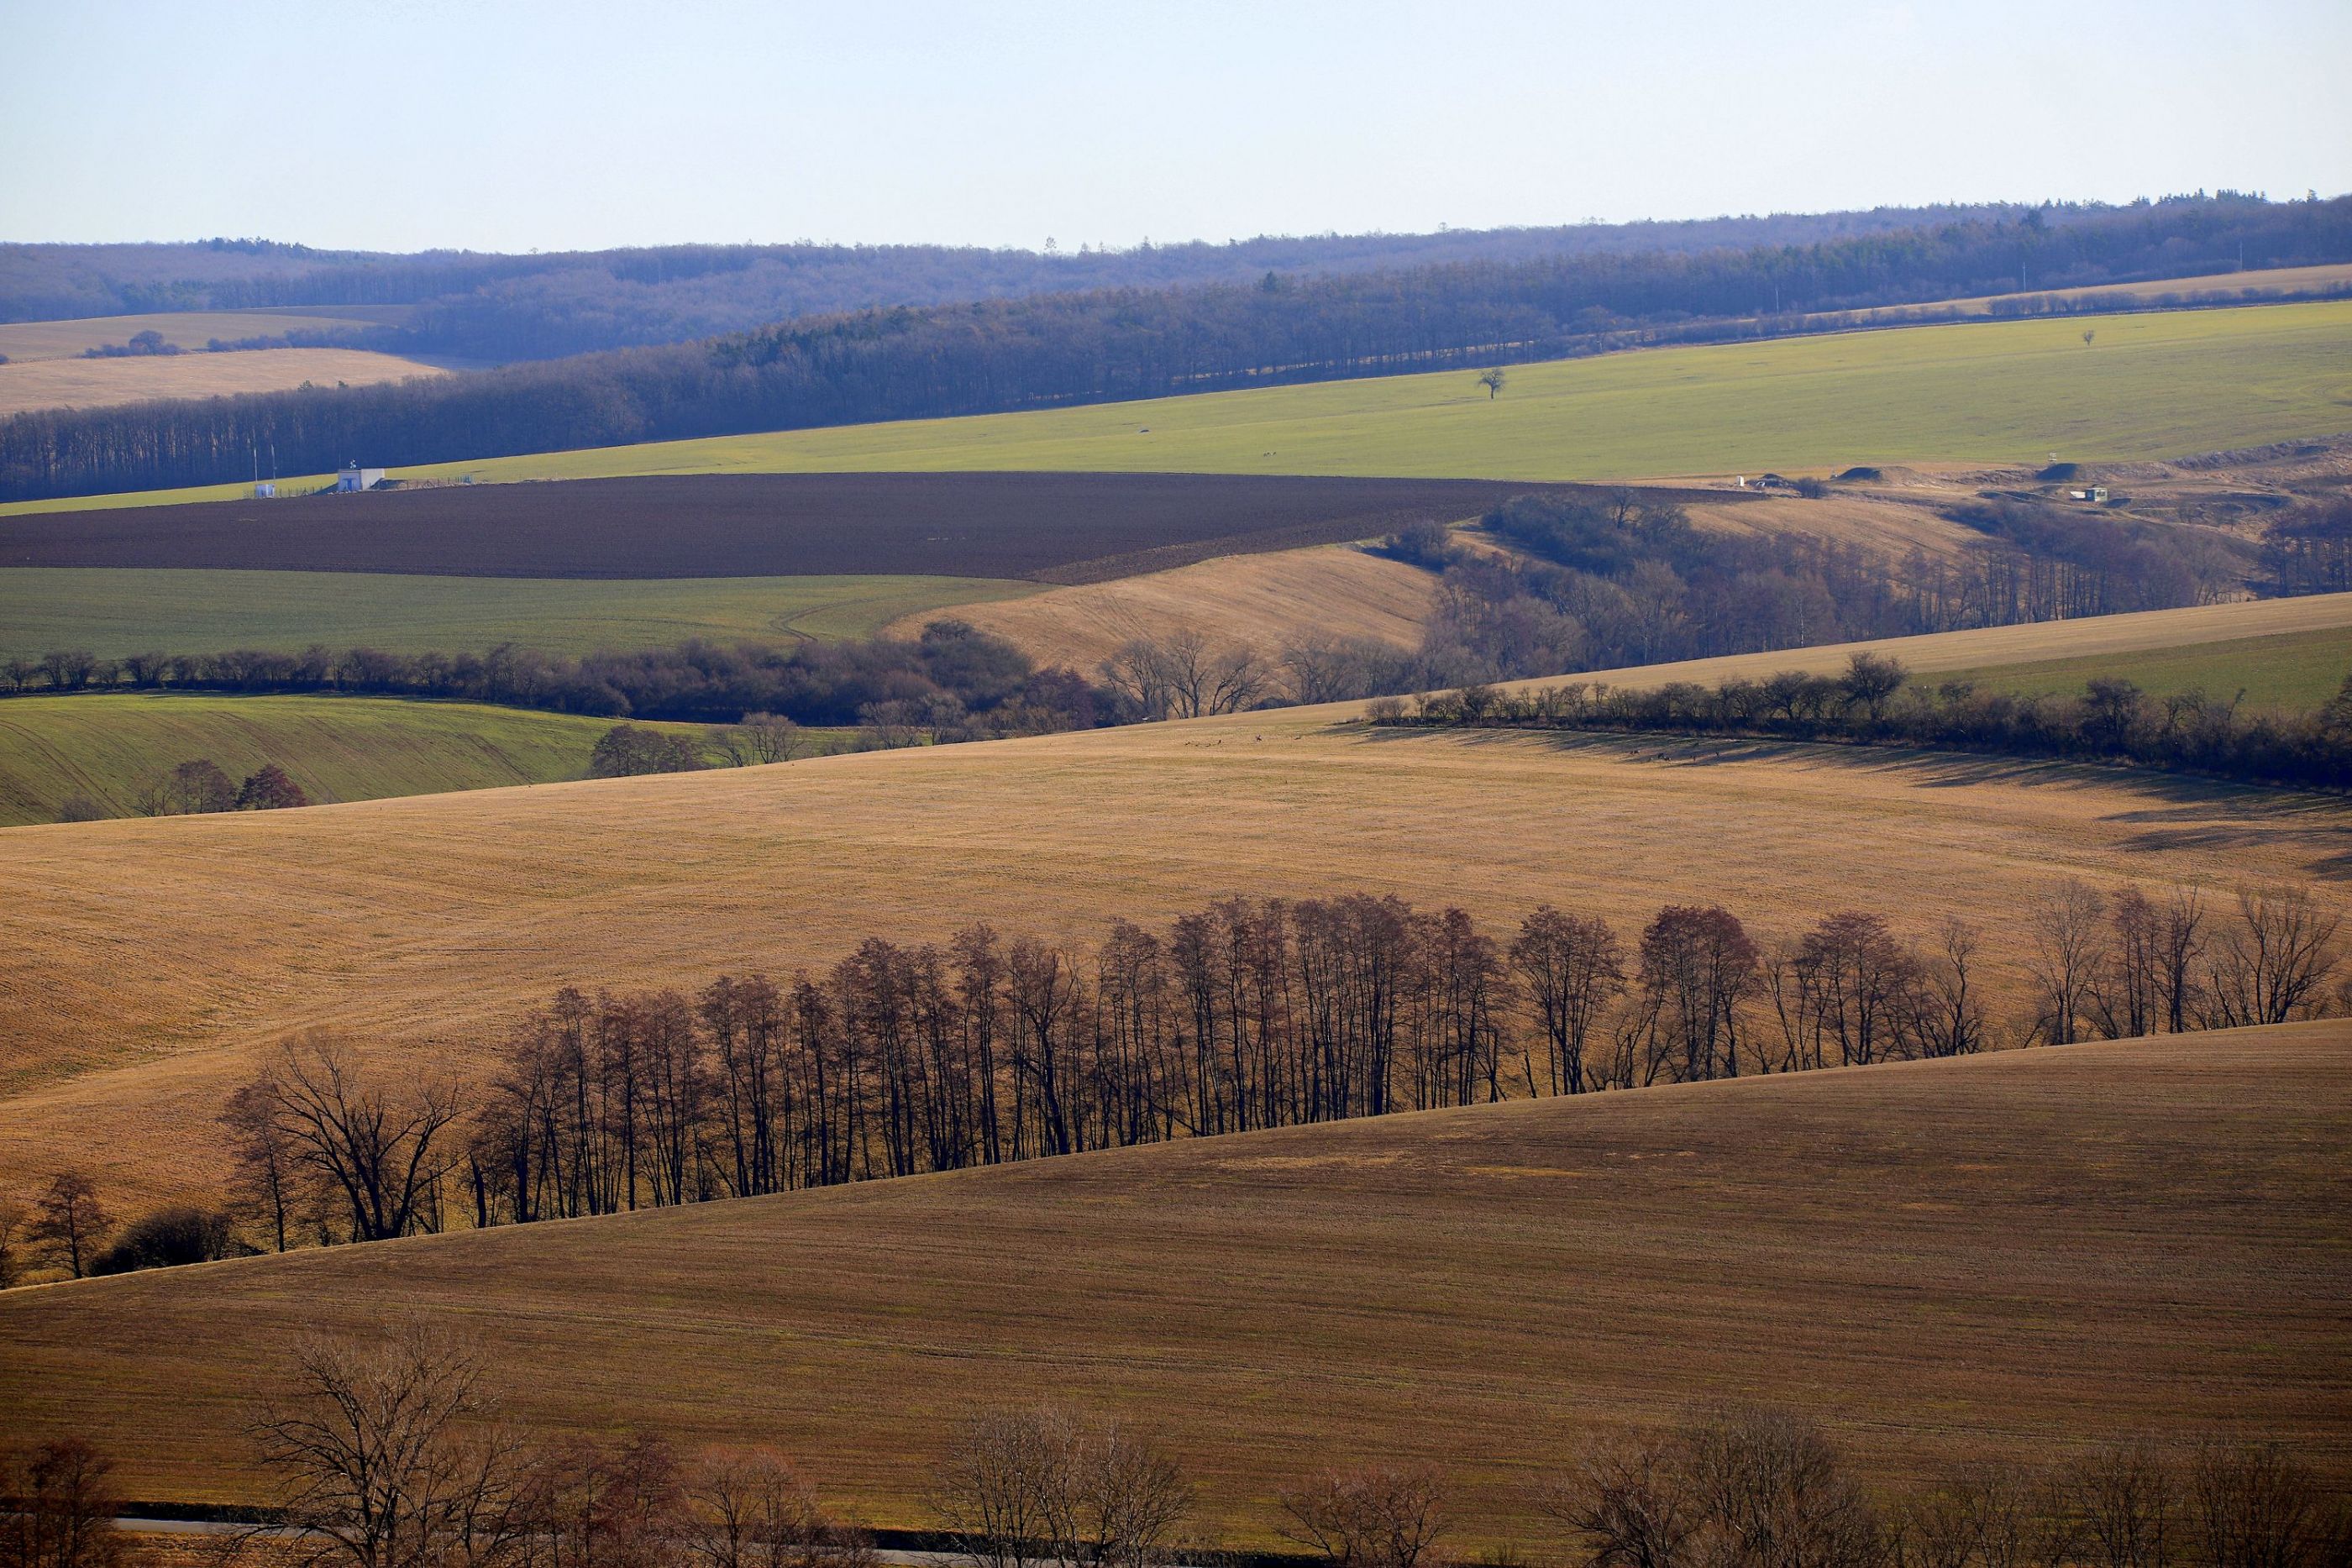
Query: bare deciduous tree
2269	964
750	1509
2122	1499
1574	968
1624	1504
2070	950
1378	1516
2251	1505
389	1454
264	1178
1770	1493
69	1223
1132	1499
1981	1515
772	737
1042	1485
15	1219
1182	677
1004	1491
59	1509
380	1153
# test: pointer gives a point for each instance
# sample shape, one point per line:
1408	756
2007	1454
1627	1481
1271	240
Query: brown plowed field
2014	1255
1055	527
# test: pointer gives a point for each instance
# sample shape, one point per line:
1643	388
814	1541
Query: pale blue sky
399	124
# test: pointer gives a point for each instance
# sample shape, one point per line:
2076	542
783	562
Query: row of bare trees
1249	1013
2117	966
394	1450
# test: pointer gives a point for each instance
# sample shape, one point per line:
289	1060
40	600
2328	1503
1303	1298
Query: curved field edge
2152	385
105	744
2013	1256
115	612
421	928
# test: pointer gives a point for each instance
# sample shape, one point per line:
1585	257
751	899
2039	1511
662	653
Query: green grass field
2292	672
2154	385
117	612
105	744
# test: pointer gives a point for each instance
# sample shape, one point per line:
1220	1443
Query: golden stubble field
2017	1255
96	383
145	965
1265	603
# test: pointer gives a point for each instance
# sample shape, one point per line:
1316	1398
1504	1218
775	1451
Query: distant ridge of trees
1875	703
1128	342
493	306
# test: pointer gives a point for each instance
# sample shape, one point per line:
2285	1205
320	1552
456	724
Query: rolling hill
104	746
1264	601
2012	392
1899	1251
143	964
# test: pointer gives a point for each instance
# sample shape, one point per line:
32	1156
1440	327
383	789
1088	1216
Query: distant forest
1121	343
503	308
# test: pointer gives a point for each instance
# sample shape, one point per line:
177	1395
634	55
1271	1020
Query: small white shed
358	478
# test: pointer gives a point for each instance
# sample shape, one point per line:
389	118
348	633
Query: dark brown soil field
1055	527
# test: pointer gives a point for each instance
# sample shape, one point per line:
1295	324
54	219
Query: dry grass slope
1262	602
2013	1254
143	965
108	746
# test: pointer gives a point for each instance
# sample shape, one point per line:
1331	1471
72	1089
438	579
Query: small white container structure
357	478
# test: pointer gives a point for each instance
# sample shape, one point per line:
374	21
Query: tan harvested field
145	964
1890	528
1263	602
2016	1255
190	329
94	383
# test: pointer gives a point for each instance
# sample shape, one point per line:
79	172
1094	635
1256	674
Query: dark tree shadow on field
2183	811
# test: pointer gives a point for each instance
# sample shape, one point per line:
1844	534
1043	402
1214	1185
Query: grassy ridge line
115	613
419	928
2287	672
2153	385
2057	1248
2099	639
105	744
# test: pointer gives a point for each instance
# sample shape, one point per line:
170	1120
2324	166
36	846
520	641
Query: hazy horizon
418	124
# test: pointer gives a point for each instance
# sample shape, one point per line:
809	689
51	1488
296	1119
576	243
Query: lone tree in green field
1492	381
